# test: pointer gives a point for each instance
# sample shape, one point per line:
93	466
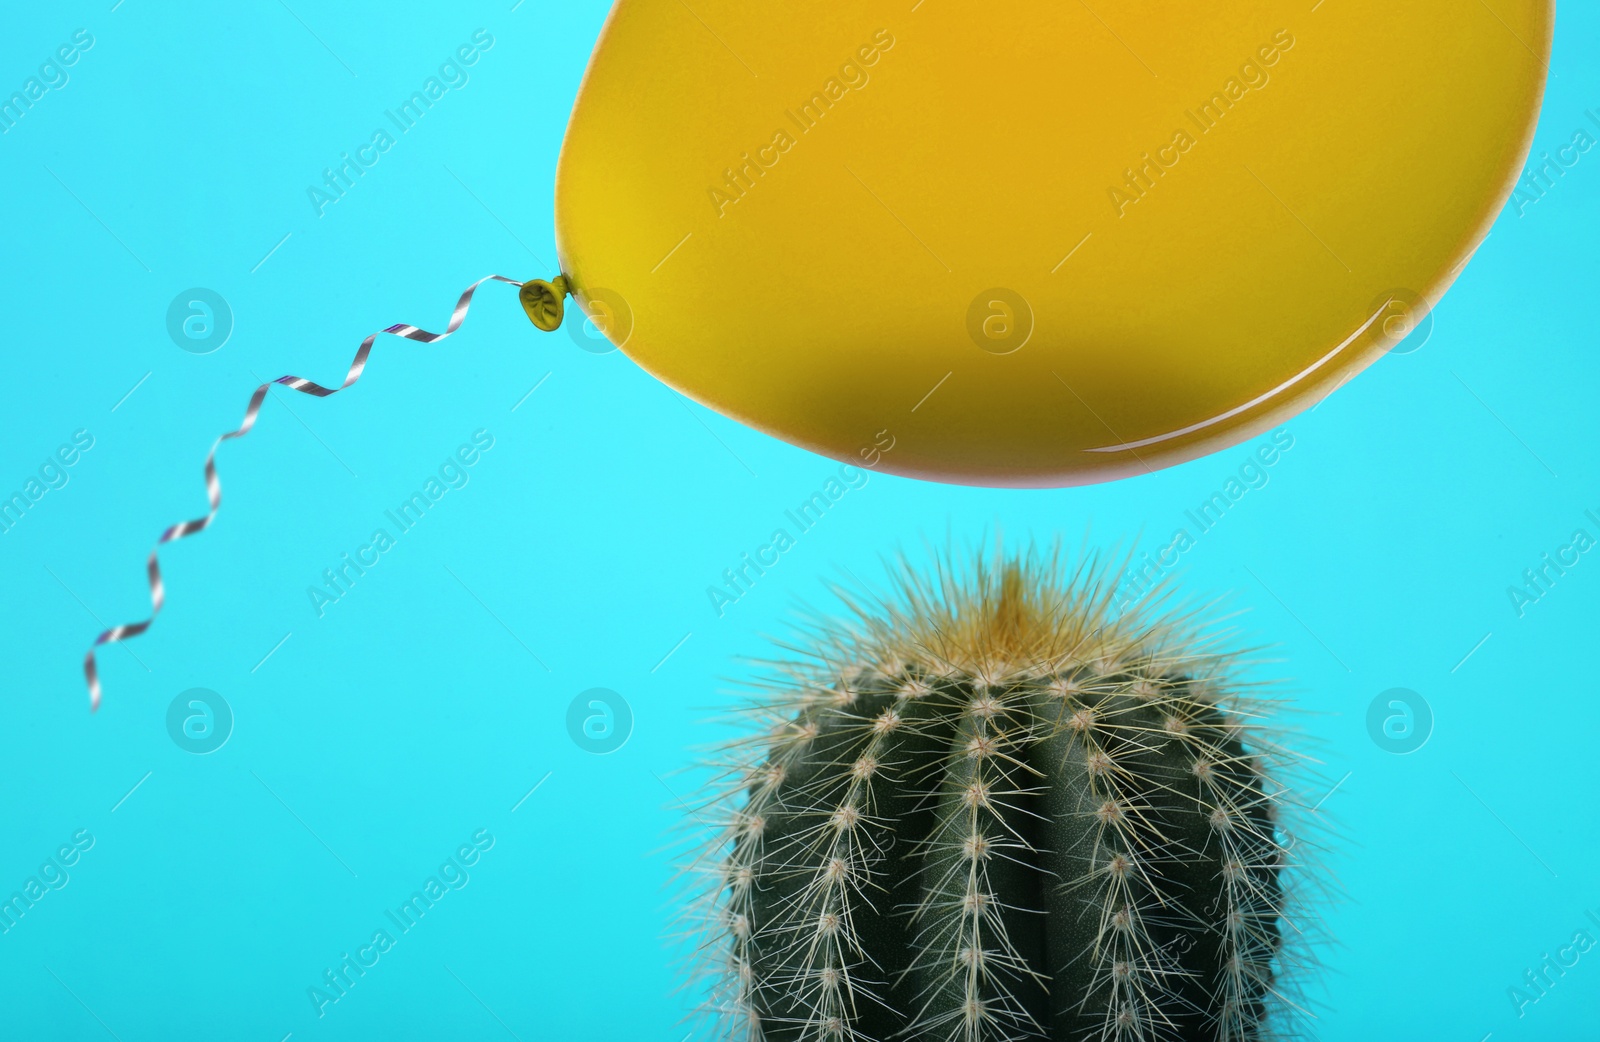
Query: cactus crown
990	806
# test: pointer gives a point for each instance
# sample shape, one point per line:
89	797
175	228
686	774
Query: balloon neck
543	301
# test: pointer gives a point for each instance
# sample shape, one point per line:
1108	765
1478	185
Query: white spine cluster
965	954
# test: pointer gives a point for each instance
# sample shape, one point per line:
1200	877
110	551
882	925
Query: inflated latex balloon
1032	245
1035	244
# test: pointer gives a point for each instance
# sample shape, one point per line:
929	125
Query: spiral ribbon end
92	675
542	300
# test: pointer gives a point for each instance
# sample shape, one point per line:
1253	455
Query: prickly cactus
993	806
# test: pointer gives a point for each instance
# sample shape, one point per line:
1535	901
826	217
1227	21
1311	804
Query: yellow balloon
1034	244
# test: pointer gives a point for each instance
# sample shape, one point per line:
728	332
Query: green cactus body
990	810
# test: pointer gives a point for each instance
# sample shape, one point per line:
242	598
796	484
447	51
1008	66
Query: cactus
994	806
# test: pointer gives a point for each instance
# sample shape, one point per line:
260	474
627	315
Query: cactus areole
994	807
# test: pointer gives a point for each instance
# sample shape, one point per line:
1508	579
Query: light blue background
375	740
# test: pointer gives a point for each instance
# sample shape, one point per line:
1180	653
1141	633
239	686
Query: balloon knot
543	301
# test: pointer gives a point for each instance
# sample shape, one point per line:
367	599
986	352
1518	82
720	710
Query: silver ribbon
214	485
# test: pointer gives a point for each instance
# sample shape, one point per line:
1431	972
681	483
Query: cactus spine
991	808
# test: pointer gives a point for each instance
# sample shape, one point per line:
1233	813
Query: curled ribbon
304	386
